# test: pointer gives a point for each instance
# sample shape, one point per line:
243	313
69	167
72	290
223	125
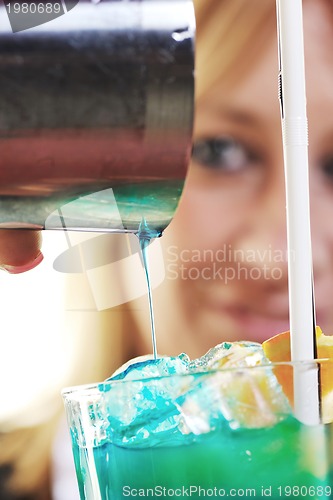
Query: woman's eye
221	153
327	167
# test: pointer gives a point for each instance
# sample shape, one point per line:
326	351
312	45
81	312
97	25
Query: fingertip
20	250
24	267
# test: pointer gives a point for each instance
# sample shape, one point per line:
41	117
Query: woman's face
225	251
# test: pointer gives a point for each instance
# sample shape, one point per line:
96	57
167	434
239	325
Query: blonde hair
230	35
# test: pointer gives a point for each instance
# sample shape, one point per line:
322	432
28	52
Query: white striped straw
295	149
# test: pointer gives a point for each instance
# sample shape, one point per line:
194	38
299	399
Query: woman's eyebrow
239	115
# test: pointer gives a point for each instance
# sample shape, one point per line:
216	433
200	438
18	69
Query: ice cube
229	354
148	367
147	405
248	398
241	386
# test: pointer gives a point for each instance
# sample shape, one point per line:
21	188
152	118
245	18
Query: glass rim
85	388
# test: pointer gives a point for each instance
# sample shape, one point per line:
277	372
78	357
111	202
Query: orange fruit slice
277	349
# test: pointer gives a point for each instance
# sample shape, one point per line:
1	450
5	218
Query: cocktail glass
223	433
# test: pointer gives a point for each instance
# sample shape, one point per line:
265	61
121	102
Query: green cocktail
225	433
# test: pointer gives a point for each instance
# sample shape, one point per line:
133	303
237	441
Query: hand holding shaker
96	111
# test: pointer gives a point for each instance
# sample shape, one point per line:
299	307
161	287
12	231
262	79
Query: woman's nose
261	247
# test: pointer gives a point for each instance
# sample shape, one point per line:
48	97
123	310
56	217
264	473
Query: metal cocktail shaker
96	110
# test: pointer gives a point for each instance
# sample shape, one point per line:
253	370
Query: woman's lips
252	325
259	327
259	316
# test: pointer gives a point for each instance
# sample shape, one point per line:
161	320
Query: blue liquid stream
145	235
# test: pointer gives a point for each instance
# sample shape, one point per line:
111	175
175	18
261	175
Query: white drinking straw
295	149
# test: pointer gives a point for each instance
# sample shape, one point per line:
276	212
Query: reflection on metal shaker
96	112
